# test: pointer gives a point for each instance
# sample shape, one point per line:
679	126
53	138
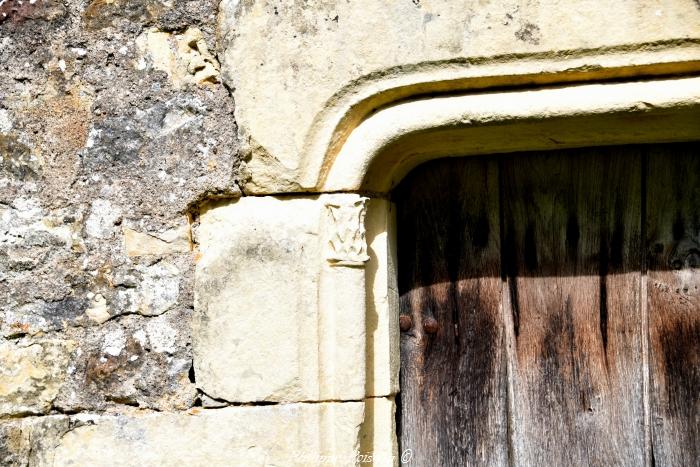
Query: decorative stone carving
346	244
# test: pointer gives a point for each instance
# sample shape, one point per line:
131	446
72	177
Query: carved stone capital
345	242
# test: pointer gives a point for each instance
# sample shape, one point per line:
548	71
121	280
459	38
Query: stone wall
185	281
114	125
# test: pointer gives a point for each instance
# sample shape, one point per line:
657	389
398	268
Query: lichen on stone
101	161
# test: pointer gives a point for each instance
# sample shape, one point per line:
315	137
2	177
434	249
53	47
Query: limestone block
30	441
378	442
145	243
382	301
98	311
264	327
157	292
342	298
325	434
31	375
255	329
314	63
184	57
386	146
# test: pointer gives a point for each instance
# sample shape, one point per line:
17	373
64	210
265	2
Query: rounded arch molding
388	144
542	101
313	273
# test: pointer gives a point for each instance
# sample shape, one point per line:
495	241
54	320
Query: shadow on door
550	308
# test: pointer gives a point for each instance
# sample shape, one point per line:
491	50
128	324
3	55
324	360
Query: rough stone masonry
114	124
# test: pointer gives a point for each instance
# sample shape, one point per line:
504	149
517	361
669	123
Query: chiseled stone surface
291	63
386	146
275	319
256	305
325	434
382	301
117	131
378	442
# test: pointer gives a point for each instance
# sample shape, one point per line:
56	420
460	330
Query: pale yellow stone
318	68
202	66
325	434
384	147
255	333
341	294
331	98
184	57
382	301
142	244
31	374
277	318
378	441
98	310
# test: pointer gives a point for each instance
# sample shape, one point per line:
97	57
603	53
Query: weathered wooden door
550	309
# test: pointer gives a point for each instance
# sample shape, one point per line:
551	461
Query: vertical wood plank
673	233
571	251
453	382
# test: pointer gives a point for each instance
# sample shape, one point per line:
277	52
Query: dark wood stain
532	267
509	269
678	227
453	400
530	249
603	269
573	235
576	373
515	306
673	204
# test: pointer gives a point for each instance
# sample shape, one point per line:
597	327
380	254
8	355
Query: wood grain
454	381
673	232
566	290
572	264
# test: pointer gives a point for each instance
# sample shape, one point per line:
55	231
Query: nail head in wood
430	325
405	323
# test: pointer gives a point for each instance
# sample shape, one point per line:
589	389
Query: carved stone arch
350	107
388	144
313	272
